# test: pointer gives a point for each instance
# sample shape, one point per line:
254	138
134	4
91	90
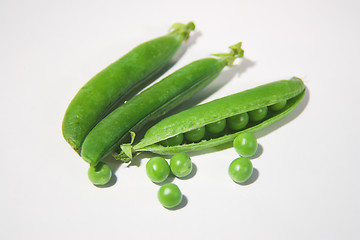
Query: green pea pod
153	103
106	90
285	91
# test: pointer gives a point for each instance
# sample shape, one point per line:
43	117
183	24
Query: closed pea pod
110	87
291	90
152	103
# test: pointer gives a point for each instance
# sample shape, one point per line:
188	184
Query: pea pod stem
291	90
110	87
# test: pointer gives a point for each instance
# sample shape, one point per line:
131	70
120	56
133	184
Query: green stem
182	28
229	58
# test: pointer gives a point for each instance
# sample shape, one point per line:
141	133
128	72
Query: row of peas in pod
234	123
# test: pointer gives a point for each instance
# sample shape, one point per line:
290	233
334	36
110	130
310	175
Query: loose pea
240	169
181	165
195	135
157	169
216	127
99	174
173	141
278	106
245	144
258	114
169	195
238	122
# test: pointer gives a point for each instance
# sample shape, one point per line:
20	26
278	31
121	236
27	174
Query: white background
306	184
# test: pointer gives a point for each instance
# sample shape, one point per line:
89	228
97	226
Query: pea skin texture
169	195
245	144
181	165
278	106
195	135
216	127
238	122
240	169
99	174
258	114
173	141
157	169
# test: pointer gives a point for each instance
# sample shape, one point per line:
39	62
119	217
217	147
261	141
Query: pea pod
106	90
153	103
291	91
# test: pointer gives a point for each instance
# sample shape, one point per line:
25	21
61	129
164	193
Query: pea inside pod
265	96
110	87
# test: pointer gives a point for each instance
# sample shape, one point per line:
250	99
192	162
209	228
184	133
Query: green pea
278	106
238	122
216	127
245	144
240	170
121	79
157	169
180	165
169	195
195	135
292	91
258	114
173	141
99	174
151	104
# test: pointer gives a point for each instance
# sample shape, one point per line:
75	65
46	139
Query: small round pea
99	174
173	141
216	127
258	114
245	144
195	135
240	169
169	195
278	106
180	165
238	122
157	169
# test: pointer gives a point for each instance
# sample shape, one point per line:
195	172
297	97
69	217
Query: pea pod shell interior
225	107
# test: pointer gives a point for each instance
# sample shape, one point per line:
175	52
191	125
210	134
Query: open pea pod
258	107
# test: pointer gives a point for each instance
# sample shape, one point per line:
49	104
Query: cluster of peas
234	123
158	169
170	196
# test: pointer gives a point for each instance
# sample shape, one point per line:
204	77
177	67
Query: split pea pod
152	103
110	87
241	112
